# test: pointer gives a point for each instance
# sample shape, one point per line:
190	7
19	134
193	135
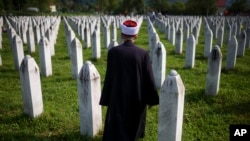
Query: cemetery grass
206	118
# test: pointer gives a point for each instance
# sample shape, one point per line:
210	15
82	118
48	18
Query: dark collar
128	43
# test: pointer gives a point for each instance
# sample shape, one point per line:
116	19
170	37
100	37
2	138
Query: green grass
206	118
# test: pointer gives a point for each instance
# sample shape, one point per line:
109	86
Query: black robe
128	87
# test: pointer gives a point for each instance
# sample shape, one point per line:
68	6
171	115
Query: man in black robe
128	87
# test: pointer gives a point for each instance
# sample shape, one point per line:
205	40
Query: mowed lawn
206	118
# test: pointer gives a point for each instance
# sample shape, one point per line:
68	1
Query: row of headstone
173	26
89	92
32	29
158	55
177	30
45	48
85	26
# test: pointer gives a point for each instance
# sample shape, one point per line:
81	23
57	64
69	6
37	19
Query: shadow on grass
219	105
239	108
73	136
21	136
199	95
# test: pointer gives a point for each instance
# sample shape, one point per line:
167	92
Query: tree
159	5
177	8
238	6
198	7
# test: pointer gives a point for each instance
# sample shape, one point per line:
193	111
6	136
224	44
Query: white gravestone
190	52
96	45
228	33
18	52
76	57
82	27
87	36
114	31
38	34
220	37
171	108
31	87
50	40
213	71
45	57
208	42
179	41
1	63
89	92
69	38
152	43
31	40
24	32
106	35
186	32
159	64
172	35
231	53
242	43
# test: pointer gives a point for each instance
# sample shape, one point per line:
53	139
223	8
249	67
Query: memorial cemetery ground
206	118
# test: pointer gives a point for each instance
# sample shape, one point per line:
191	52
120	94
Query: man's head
129	30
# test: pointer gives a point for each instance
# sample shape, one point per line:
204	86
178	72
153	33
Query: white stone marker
38	34
220	37
213	71
232	53
186	32
1	63
159	64
76	57
87	36
82	26
31	87
208	42
50	41
172	35
179	42
242	43
69	38
190	52
171	108
45	57
228	33
18	52
31	40
96	44
113	31
24	32
89	92
106	36
152	43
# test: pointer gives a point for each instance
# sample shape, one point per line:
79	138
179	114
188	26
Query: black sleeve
106	86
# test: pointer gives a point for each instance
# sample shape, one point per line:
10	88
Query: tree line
191	7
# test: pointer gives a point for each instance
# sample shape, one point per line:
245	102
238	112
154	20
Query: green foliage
195	7
159	5
239	6
177	8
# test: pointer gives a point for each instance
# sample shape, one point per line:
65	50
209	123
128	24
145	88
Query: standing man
128	87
